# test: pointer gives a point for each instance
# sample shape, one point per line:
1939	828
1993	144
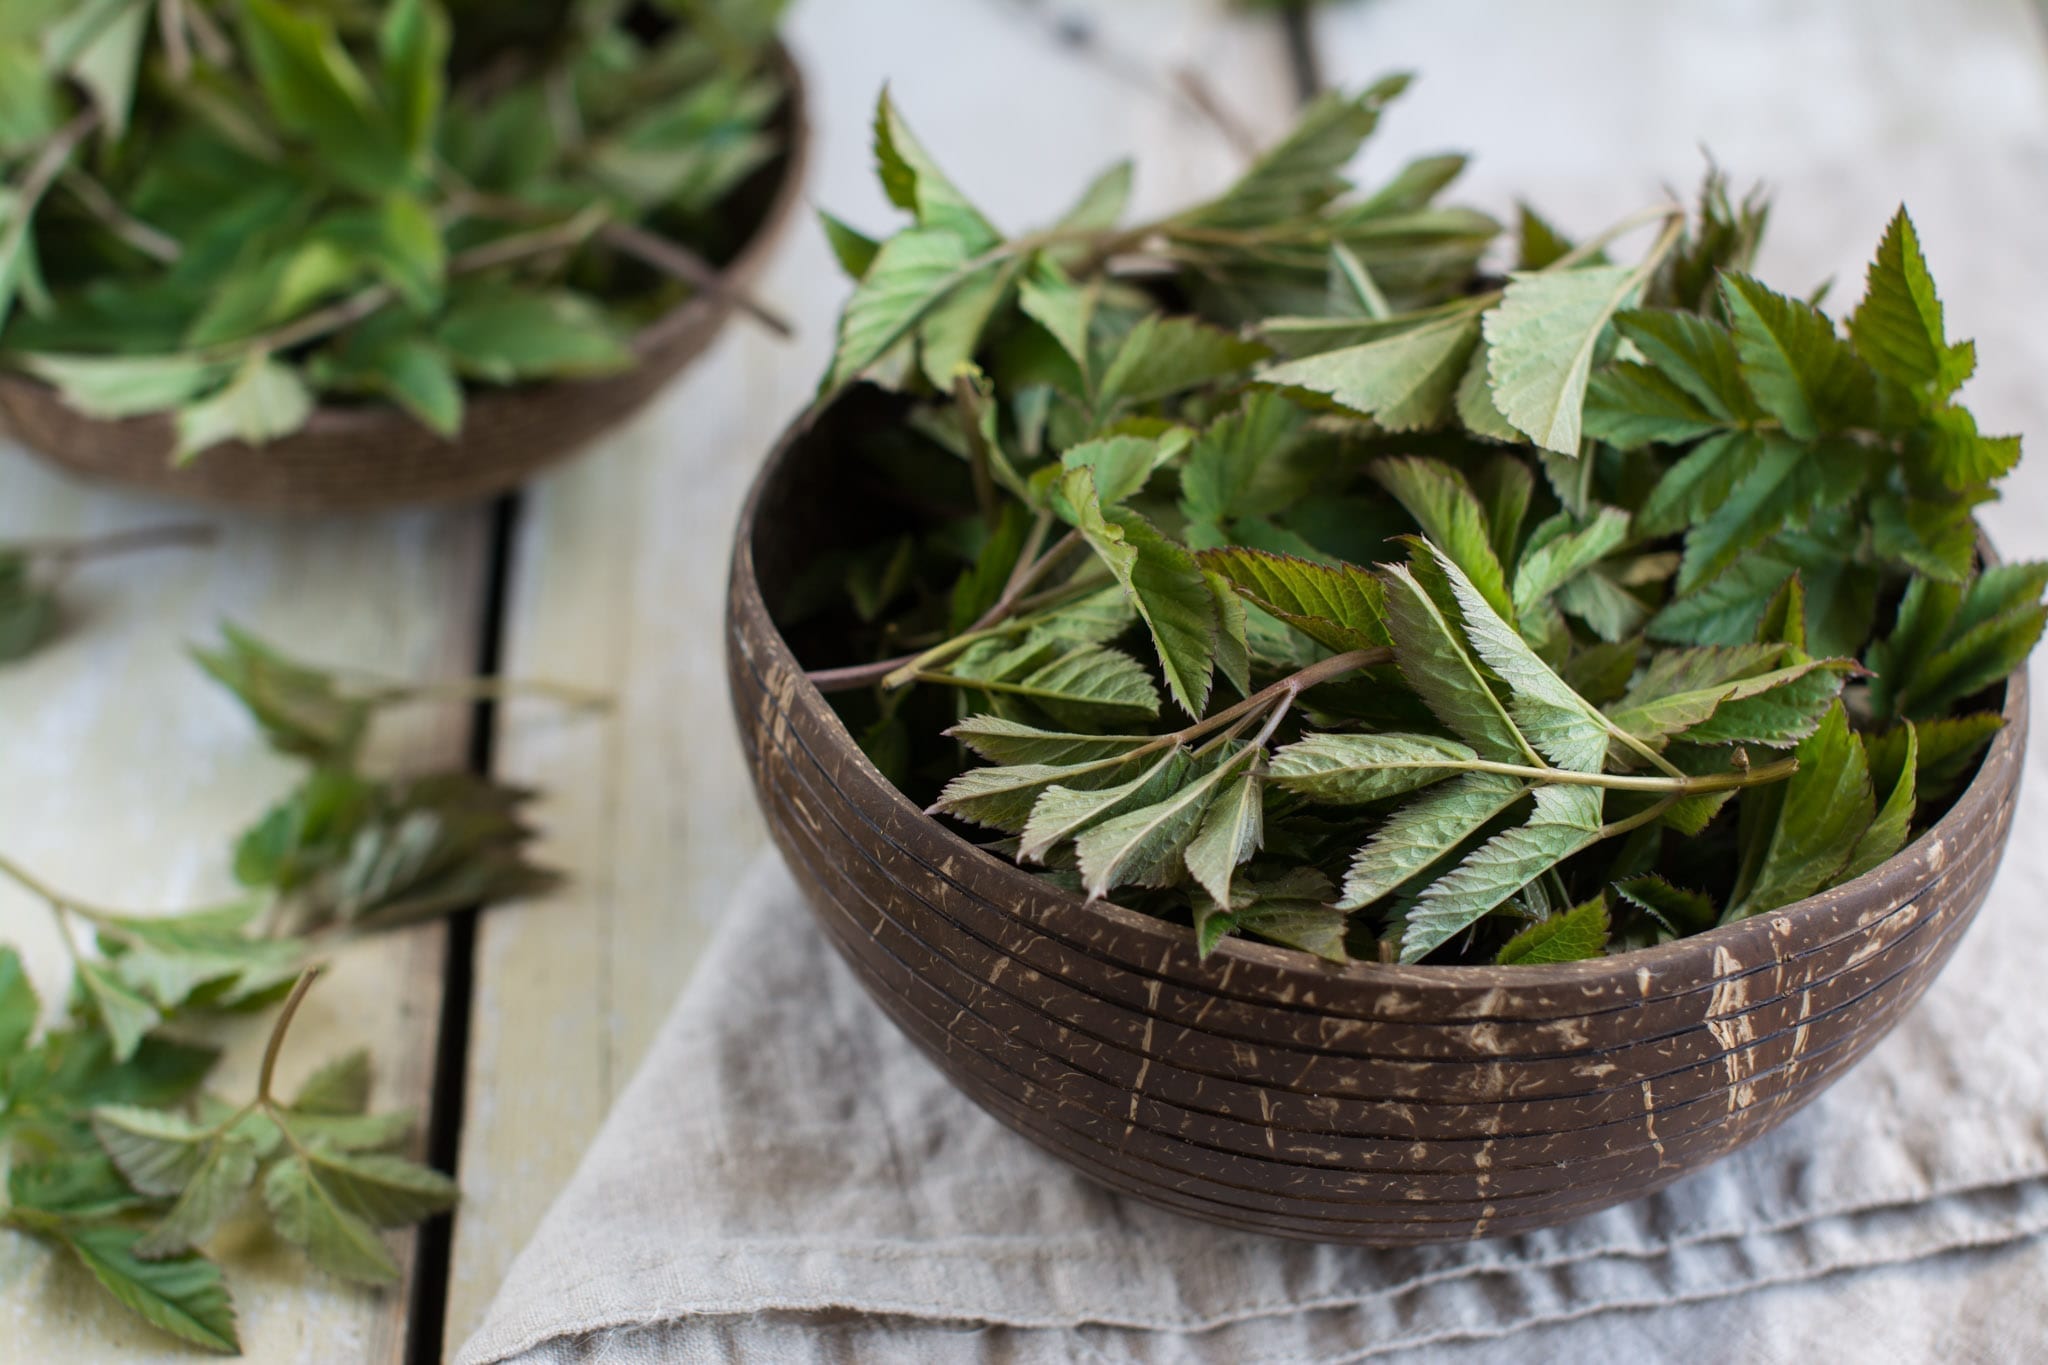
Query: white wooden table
125	772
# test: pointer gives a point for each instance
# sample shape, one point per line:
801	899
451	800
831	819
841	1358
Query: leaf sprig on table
232	209
1566	609
110	1148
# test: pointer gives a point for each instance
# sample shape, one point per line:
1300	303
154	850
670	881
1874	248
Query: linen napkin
787	1179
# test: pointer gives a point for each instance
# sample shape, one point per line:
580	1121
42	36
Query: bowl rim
360	419
1730	947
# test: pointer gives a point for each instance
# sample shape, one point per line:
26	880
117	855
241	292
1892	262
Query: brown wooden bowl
1268	1090
365	456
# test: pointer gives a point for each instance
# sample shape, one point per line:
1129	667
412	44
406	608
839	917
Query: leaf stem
278	1030
1285	690
1640	818
1000	619
1679	786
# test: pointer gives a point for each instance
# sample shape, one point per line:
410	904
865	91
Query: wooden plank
1591	108
620	571
128	772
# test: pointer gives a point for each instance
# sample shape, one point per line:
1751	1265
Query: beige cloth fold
786	1179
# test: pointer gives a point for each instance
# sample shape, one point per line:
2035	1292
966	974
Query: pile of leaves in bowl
1338	568
234	209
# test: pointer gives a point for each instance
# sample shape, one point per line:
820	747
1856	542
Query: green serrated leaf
308	1214
1404	382
183	1295
1235	466
301	709
1630	406
913	273
1893	768
1340	606
1898	326
853	249
1540	345
1063	811
1353	769
1302	172
913	181
510	334
1558	560
1695	353
19	1006
1556	721
1164	355
1565	820
1146	846
125	1015
1163	581
1003	797
1425	830
1432	658
156	1151
1825	810
342	1086
1572	935
384	1191
1450	515
1800	370
1231	832
212	1194
1679	910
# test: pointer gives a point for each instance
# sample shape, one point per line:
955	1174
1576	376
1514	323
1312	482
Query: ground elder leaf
1451	517
1432	658
1572	935
1354	769
1339	606
1231	832
336	1240
1566	819
1404	382
1540	343
1799	369
1826	808
1898	326
1145	847
1425	830
183	1295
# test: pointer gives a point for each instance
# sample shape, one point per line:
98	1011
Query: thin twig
1195	87
151	242
170	19
692	269
277	1032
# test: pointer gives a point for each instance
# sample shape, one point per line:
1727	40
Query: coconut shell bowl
368	456
1266	1089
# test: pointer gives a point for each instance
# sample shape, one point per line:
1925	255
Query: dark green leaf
1800	370
1898	326
1825	810
1570	936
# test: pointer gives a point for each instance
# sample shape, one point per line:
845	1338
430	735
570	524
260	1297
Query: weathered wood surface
127	774
620	575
